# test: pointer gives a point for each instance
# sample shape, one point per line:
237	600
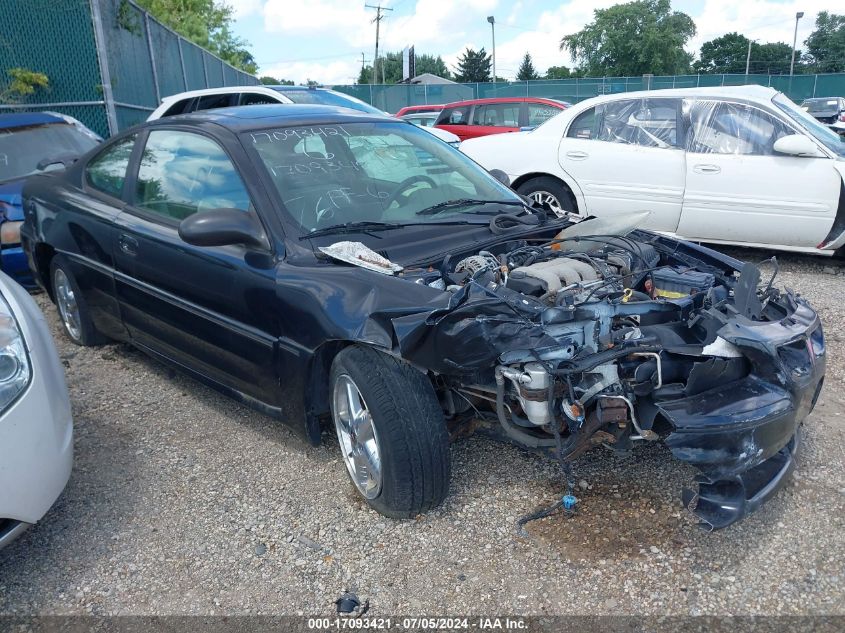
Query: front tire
550	191
391	432
73	311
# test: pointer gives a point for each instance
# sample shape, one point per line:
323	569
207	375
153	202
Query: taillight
842	117
10	233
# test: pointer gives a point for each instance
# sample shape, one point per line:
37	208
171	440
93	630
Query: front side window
730	128
645	122
212	102
496	115
256	98
183	173
368	172
106	172
823	134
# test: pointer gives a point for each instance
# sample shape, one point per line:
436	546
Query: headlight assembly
15	368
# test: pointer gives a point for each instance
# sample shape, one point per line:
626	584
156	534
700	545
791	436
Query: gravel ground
184	502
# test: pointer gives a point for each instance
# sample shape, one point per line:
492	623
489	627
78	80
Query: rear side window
106	172
497	115
183	106
210	102
539	113
182	173
454	116
584	125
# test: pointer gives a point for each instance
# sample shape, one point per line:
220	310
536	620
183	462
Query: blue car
31	142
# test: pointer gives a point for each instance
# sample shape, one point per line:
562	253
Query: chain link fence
109	62
393	97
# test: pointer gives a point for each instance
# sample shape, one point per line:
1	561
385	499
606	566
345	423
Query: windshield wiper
465	202
353	227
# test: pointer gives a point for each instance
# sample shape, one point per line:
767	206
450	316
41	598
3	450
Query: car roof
762	93
545	100
28	119
256	117
217	91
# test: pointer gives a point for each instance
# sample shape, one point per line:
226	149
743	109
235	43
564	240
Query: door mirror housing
796	145
501	176
222	227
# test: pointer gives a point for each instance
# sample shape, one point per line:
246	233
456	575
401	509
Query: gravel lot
184	502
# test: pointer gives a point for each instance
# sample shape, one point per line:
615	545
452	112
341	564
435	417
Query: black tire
411	433
552	186
87	334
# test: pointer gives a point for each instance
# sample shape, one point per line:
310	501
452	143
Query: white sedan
738	165
36	429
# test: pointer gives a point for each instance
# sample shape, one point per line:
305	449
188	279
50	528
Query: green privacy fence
109	63
393	97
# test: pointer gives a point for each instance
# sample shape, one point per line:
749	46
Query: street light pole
492	21
798	16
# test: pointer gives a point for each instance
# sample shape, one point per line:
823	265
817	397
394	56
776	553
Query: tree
826	44
526	69
431	64
644	36
558	72
206	23
392	63
728	53
267	80
473	66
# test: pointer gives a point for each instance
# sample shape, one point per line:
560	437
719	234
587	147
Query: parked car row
346	270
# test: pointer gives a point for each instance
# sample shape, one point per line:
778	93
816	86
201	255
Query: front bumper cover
744	436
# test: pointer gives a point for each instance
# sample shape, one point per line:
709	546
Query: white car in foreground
738	165
36	429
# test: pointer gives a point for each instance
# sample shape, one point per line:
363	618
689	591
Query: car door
738	189
209	309
627	155
494	118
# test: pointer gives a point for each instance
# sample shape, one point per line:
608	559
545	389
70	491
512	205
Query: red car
480	117
417	109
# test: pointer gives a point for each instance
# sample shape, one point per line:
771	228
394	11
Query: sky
323	40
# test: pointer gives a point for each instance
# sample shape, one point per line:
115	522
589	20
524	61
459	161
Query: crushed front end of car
567	344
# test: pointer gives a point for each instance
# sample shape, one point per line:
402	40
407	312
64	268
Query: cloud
243	8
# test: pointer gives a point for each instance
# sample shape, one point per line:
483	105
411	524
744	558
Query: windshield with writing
370	172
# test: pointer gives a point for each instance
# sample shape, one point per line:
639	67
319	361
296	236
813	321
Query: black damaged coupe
333	268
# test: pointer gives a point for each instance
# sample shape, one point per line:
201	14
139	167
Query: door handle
706	169
577	155
128	245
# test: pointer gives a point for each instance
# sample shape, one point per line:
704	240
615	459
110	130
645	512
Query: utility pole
379	17
492	21
798	16
363	64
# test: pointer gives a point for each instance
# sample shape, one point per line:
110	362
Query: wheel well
43	254
521	180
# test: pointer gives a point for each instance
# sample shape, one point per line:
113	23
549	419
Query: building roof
429	78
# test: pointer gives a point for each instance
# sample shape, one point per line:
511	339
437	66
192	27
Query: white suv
738	165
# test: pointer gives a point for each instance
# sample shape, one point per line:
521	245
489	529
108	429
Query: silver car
36	428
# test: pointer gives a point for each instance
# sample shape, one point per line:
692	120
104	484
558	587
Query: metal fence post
102	59
152	57
815	82
182	62
425	94
204	67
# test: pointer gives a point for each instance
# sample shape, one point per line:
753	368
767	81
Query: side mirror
796	145
501	176
221	227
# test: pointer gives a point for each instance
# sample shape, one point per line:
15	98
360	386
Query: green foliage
473	66
727	54
267	80
128	18
826	44
206	23
24	82
393	68
527	71
644	36
558	72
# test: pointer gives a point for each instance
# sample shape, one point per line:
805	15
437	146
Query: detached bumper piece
720	503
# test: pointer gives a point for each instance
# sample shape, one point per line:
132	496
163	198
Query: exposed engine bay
606	340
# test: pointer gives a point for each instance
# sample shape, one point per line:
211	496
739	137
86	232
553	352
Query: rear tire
70	304
400	432
550	191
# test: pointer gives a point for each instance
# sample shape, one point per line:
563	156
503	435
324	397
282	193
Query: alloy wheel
357	436
68	307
